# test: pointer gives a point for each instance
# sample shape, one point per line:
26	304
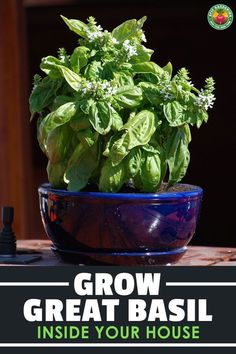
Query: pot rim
194	191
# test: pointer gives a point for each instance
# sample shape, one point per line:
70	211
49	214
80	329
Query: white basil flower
130	49
205	101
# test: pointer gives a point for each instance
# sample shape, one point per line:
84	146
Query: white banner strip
34	283
200	283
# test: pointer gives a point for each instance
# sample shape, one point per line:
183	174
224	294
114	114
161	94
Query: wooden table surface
195	256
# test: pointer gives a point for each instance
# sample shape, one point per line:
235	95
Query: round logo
220	16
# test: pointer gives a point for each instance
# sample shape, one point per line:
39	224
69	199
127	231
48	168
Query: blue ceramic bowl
120	228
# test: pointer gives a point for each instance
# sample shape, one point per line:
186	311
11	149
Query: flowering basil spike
130	49
206	98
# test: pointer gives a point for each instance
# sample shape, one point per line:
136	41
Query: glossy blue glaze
120	228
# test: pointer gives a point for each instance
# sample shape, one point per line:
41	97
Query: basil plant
108	115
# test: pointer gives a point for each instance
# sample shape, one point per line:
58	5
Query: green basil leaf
87	137
85	105
49	65
150	172
140	128
138	184
76	26
53	120
137	132
81	166
141	21
79	58
111	142
117	122
179	93
128	96
112	177
133	162
43	94
118	150
143	54
177	154
164	164
148	68
100	117
123	79
174	113
126	30
152	149
148	78
187	133
57	143
80	122
151	92
93	71
59	101
201	116
168	67
52	67
73	79
56	173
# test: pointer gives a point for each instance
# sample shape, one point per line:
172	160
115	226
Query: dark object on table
7	238
8	252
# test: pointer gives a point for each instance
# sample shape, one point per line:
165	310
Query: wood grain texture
195	256
34	3
15	154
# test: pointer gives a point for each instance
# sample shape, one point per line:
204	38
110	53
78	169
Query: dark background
179	32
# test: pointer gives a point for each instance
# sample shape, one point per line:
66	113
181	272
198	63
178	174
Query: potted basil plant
115	127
